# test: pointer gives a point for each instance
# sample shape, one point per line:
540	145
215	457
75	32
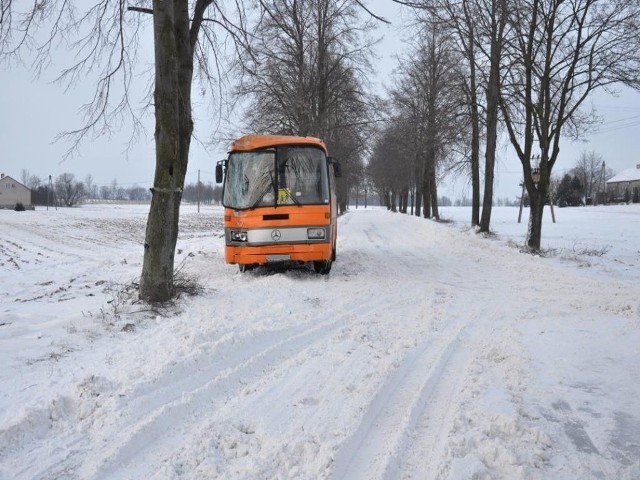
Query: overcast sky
33	111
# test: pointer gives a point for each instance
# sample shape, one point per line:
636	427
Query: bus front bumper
281	253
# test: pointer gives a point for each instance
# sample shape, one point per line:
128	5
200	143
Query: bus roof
254	142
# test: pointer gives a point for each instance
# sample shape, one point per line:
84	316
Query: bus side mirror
219	171
337	169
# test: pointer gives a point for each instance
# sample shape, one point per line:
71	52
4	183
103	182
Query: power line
628	123
621	120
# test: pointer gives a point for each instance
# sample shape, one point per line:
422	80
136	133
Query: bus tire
322	267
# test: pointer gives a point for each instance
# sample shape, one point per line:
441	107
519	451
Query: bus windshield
276	176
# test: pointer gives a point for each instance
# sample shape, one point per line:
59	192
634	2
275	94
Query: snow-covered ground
429	352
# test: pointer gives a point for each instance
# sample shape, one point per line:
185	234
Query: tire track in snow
423	388
239	364
145	428
147	419
421	382
415	258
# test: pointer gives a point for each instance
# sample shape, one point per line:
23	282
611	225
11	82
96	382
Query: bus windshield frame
272	177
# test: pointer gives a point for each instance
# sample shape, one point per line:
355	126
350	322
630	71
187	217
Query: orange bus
279	195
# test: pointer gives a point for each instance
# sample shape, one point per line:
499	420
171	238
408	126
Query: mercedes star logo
275	235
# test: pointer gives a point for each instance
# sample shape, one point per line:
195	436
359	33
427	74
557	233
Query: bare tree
69	191
304	56
32	182
588	169
428	97
104	36
496	30
114	189
411	128
90	186
24	176
478	29
464	27
137	194
389	165
461	19
305	75
105	193
559	53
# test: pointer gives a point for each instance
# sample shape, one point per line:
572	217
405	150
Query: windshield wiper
271	186
295	200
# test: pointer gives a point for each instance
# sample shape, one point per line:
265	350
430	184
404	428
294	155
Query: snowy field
429	352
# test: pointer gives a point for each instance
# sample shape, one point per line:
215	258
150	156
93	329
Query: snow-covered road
427	353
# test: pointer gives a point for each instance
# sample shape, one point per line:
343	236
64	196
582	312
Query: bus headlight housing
316	233
238	236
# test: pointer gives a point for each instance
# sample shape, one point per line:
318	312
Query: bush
19	207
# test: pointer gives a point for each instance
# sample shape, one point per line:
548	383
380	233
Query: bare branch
141	10
377	17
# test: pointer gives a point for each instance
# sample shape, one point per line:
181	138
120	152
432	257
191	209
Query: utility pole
55	204
604	185
48	192
521	203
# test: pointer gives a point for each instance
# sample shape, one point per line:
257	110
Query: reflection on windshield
285	176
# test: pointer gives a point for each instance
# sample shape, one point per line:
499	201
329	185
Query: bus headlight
316	233
238	236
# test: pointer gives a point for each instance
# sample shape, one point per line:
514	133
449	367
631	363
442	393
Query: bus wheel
322	267
243	267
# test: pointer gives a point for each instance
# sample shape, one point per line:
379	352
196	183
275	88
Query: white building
625	184
13	192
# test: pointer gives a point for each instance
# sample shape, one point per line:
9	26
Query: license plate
278	258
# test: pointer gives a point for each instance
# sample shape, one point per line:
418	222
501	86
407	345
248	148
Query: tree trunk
426	198
434	194
342	193
493	96
404	201
490	153
419	189
174	125
413	199
475	135
534	231
385	196
475	159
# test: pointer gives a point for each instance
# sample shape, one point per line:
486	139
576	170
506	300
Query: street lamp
535	176
535	171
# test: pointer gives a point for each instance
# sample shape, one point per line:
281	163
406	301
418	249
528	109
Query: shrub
19	207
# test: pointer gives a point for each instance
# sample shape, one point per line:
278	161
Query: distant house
625	186
13	192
